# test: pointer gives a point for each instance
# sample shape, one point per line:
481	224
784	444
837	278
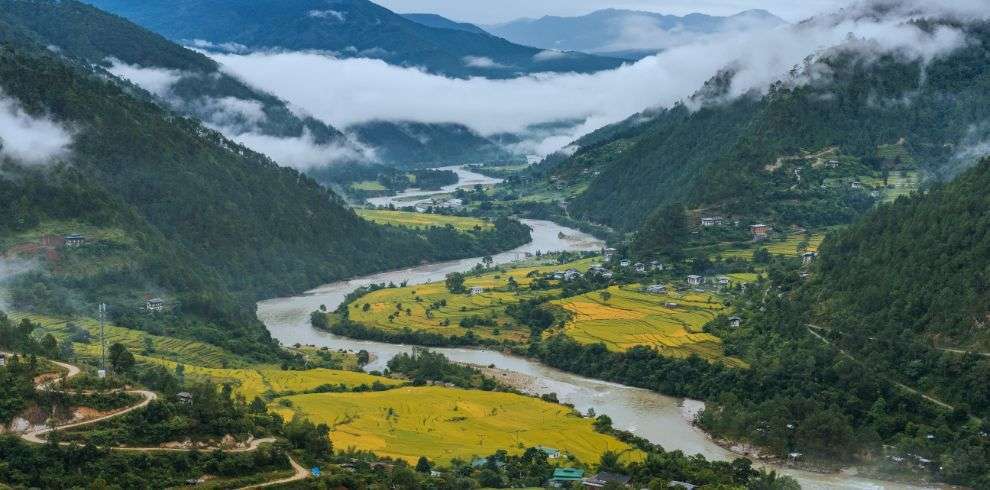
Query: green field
634	317
368	185
422	316
445	423
178	350
422	220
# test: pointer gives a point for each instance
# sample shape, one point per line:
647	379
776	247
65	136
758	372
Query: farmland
444	423
632	317
791	246
432	308
422	220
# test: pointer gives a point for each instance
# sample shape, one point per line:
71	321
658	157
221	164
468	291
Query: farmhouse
695	280
640	267
604	478
735	321
625	263
656	289
155	304
477	290
184	397
74	240
709	221
608	254
682	485
3	359
856	185
571	274
723	281
552	453
760	231
656	265
808	257
566	476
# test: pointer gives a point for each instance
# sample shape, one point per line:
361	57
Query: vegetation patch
443	423
423	220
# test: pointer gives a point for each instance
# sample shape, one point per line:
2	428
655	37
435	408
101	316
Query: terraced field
422	220
420	315
787	247
178	350
633	317
445	423
252	382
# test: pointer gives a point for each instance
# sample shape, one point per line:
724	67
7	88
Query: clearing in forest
422	220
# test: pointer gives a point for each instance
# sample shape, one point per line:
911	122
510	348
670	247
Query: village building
477	290
604	478
856	185
3	359
695	280
808	257
184	397
760	231
656	265
571	274
552	453
640	267
723	281
671	305
656	289
709	221
566	476
735	321
682	485
74	240
155	304
625	263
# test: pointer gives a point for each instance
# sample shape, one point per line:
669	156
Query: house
681	484
571	274
604	478
640	267
74	240
808	257
723	281
856	185
695	280
625	263
608	254
656	289
155	304
477	290
656	265
709	221
564	476
607	274
184	397
3	359
671	305
735	321
760	231
552	453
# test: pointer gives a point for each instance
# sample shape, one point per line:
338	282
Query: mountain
349	28
196	86
626	33
171	207
440	22
803	153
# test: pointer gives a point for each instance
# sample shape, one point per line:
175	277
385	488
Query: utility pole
103	341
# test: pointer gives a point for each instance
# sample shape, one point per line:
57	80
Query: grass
443	424
178	350
252	382
368	185
422	220
491	304
633	317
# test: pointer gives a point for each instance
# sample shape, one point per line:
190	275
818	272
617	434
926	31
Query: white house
856	185
695	280
808	257
155	304
723	281
74	240
656	265
640	267
608	254
709	221
625	263
3	359
477	290
735	321
571	274
656	289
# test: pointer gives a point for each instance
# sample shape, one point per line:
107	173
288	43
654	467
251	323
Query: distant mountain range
349	28
626	33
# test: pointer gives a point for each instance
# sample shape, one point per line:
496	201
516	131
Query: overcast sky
494	11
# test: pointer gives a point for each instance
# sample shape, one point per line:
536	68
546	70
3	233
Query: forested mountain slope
350	28
908	287
195	85
789	156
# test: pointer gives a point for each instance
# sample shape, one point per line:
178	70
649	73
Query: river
651	415
412	197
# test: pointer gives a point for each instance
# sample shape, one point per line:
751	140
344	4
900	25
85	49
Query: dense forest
744	157
373	180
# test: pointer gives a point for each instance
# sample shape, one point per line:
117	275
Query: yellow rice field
634	317
422	220
787	247
444	423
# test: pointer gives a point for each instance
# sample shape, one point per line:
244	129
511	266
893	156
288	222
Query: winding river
651	415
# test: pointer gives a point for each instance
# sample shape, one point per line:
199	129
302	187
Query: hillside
192	84
911	282
440	22
351	28
627	34
808	154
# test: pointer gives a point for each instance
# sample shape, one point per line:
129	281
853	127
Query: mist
9	269
31	140
343	92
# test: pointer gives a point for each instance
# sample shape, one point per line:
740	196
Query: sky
495	11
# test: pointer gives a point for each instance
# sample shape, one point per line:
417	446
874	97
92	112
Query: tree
664	230
423	465
363	357
455	282
121	360
605	296
488	261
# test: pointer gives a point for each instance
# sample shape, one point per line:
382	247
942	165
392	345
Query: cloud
481	62
343	92
550	55
327	14
232	112
304	153
9	269
31	140
227	47
158	81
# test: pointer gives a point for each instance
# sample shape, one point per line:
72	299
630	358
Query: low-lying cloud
31	140
303	152
343	92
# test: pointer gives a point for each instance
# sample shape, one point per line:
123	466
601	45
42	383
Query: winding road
37	436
